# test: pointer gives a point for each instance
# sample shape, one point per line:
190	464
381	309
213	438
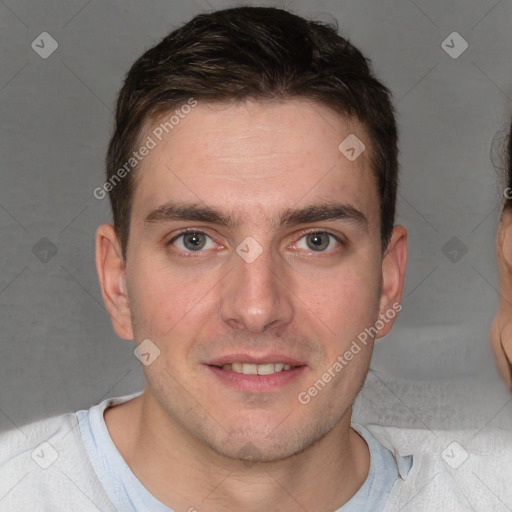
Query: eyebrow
289	217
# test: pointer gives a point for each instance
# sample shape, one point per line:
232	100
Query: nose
254	294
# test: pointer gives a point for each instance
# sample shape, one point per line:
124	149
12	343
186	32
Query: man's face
262	286
501	328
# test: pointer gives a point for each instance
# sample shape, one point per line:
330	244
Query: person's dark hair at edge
508	169
256	53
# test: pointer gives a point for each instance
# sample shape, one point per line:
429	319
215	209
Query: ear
394	261
111	275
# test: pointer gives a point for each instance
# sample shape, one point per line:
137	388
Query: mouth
257	369
256	374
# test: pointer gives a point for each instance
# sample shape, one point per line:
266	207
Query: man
254	260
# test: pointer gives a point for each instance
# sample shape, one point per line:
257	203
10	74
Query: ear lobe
111	275
394	262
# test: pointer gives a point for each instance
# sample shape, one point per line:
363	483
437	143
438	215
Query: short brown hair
257	53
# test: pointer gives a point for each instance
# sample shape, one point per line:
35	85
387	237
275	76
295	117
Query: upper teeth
257	369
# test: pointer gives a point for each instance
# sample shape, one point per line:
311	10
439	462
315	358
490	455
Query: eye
318	241
193	241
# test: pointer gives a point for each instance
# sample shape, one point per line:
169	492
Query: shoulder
451	470
19	447
44	466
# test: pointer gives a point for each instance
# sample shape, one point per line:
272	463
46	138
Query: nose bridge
259	276
255	296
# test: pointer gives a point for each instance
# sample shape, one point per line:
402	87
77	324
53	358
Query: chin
267	444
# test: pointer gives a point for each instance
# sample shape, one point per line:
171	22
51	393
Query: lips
261	360
246	364
258	369
263	373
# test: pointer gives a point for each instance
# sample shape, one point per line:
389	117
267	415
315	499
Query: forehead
256	157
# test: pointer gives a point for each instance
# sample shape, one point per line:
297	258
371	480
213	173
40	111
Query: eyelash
301	235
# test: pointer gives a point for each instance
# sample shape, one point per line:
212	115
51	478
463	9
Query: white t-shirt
51	465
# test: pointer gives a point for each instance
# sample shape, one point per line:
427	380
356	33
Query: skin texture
222	448
501	328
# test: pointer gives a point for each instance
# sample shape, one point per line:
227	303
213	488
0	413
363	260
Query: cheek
162	302
345	302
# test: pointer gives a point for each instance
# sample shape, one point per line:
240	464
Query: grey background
58	352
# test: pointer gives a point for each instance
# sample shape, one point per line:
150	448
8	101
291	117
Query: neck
323	477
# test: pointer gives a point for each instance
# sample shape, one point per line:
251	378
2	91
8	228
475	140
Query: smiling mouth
257	369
